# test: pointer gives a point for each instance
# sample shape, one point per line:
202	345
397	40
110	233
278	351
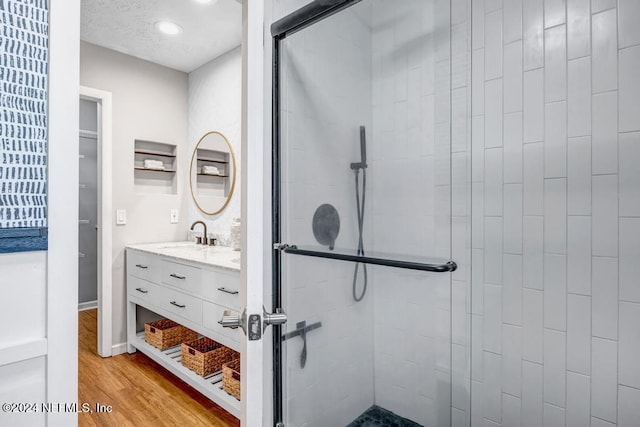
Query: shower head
363	151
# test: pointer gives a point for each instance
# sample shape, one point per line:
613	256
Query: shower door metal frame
297	20
308	15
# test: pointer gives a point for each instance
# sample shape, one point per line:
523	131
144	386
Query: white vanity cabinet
193	286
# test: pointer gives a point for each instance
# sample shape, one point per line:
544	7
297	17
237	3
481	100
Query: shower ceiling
127	26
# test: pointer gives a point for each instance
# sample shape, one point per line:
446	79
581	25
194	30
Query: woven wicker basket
166	333
205	356
231	378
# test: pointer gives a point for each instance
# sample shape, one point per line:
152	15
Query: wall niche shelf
155	180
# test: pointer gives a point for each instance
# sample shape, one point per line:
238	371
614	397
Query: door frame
105	255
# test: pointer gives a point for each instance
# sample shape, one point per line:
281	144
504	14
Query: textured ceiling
127	26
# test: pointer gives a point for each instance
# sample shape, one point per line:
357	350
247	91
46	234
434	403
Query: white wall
149	103
556	224
215	102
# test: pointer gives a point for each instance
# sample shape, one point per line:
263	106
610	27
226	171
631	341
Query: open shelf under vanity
170	359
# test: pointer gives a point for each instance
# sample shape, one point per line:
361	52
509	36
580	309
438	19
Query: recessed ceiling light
206	1
167	27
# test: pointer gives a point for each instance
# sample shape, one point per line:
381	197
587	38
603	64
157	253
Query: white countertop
216	256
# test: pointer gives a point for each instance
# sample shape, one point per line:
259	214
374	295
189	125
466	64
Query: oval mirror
212	173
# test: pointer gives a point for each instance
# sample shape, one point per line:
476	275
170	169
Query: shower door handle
252	325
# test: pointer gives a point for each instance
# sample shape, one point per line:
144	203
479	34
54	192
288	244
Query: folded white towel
210	170
153	164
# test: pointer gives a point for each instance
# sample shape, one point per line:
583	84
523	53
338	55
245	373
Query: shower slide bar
447	267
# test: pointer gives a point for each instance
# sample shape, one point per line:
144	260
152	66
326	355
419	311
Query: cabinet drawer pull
178	305
144	291
228	291
142	266
177	276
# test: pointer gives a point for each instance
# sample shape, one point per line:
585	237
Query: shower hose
360	206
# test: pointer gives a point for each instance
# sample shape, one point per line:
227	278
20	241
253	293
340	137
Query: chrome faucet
204	239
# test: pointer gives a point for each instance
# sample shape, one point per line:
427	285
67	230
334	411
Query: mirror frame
191	176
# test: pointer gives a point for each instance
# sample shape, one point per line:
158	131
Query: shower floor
379	417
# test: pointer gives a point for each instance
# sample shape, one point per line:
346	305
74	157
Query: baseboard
119	349
89	305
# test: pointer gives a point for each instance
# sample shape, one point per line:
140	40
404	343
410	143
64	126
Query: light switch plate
121	217
174	217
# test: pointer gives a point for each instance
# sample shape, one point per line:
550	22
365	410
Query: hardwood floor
141	392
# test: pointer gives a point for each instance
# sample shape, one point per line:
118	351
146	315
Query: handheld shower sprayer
360	206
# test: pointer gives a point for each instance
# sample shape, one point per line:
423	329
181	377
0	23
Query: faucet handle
198	240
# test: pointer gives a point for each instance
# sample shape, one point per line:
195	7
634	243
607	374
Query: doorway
95	258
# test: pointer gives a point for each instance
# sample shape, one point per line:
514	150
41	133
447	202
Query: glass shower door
362	215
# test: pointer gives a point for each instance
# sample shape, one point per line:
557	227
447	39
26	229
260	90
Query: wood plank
141	392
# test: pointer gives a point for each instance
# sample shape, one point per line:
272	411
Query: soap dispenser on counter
235	234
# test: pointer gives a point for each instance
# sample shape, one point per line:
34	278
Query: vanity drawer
181	304
181	276
143	265
211	314
144	290
222	288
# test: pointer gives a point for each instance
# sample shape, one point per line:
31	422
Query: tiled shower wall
556	213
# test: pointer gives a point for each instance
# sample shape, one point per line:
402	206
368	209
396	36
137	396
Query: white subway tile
555	64
579	176
492	337
513	218
554	367
629	174
579	334
533	105
493	45
513	76
477	215
533	34
533	179
477	82
553	416
477	352
493	250
512	290
578	28
600	5
477	280
492	5
605	297
629	88
628	12
629	373
597	422
511	410
492	407
628	406
531	394
604	227
604	379
512	360
555	292
512	17
579	97
493	182
512	148
493	113
555	140
604	143
477	148
629	256
604	51
477	24
554	13
532	252
532	327
578	399
555	216
579	255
